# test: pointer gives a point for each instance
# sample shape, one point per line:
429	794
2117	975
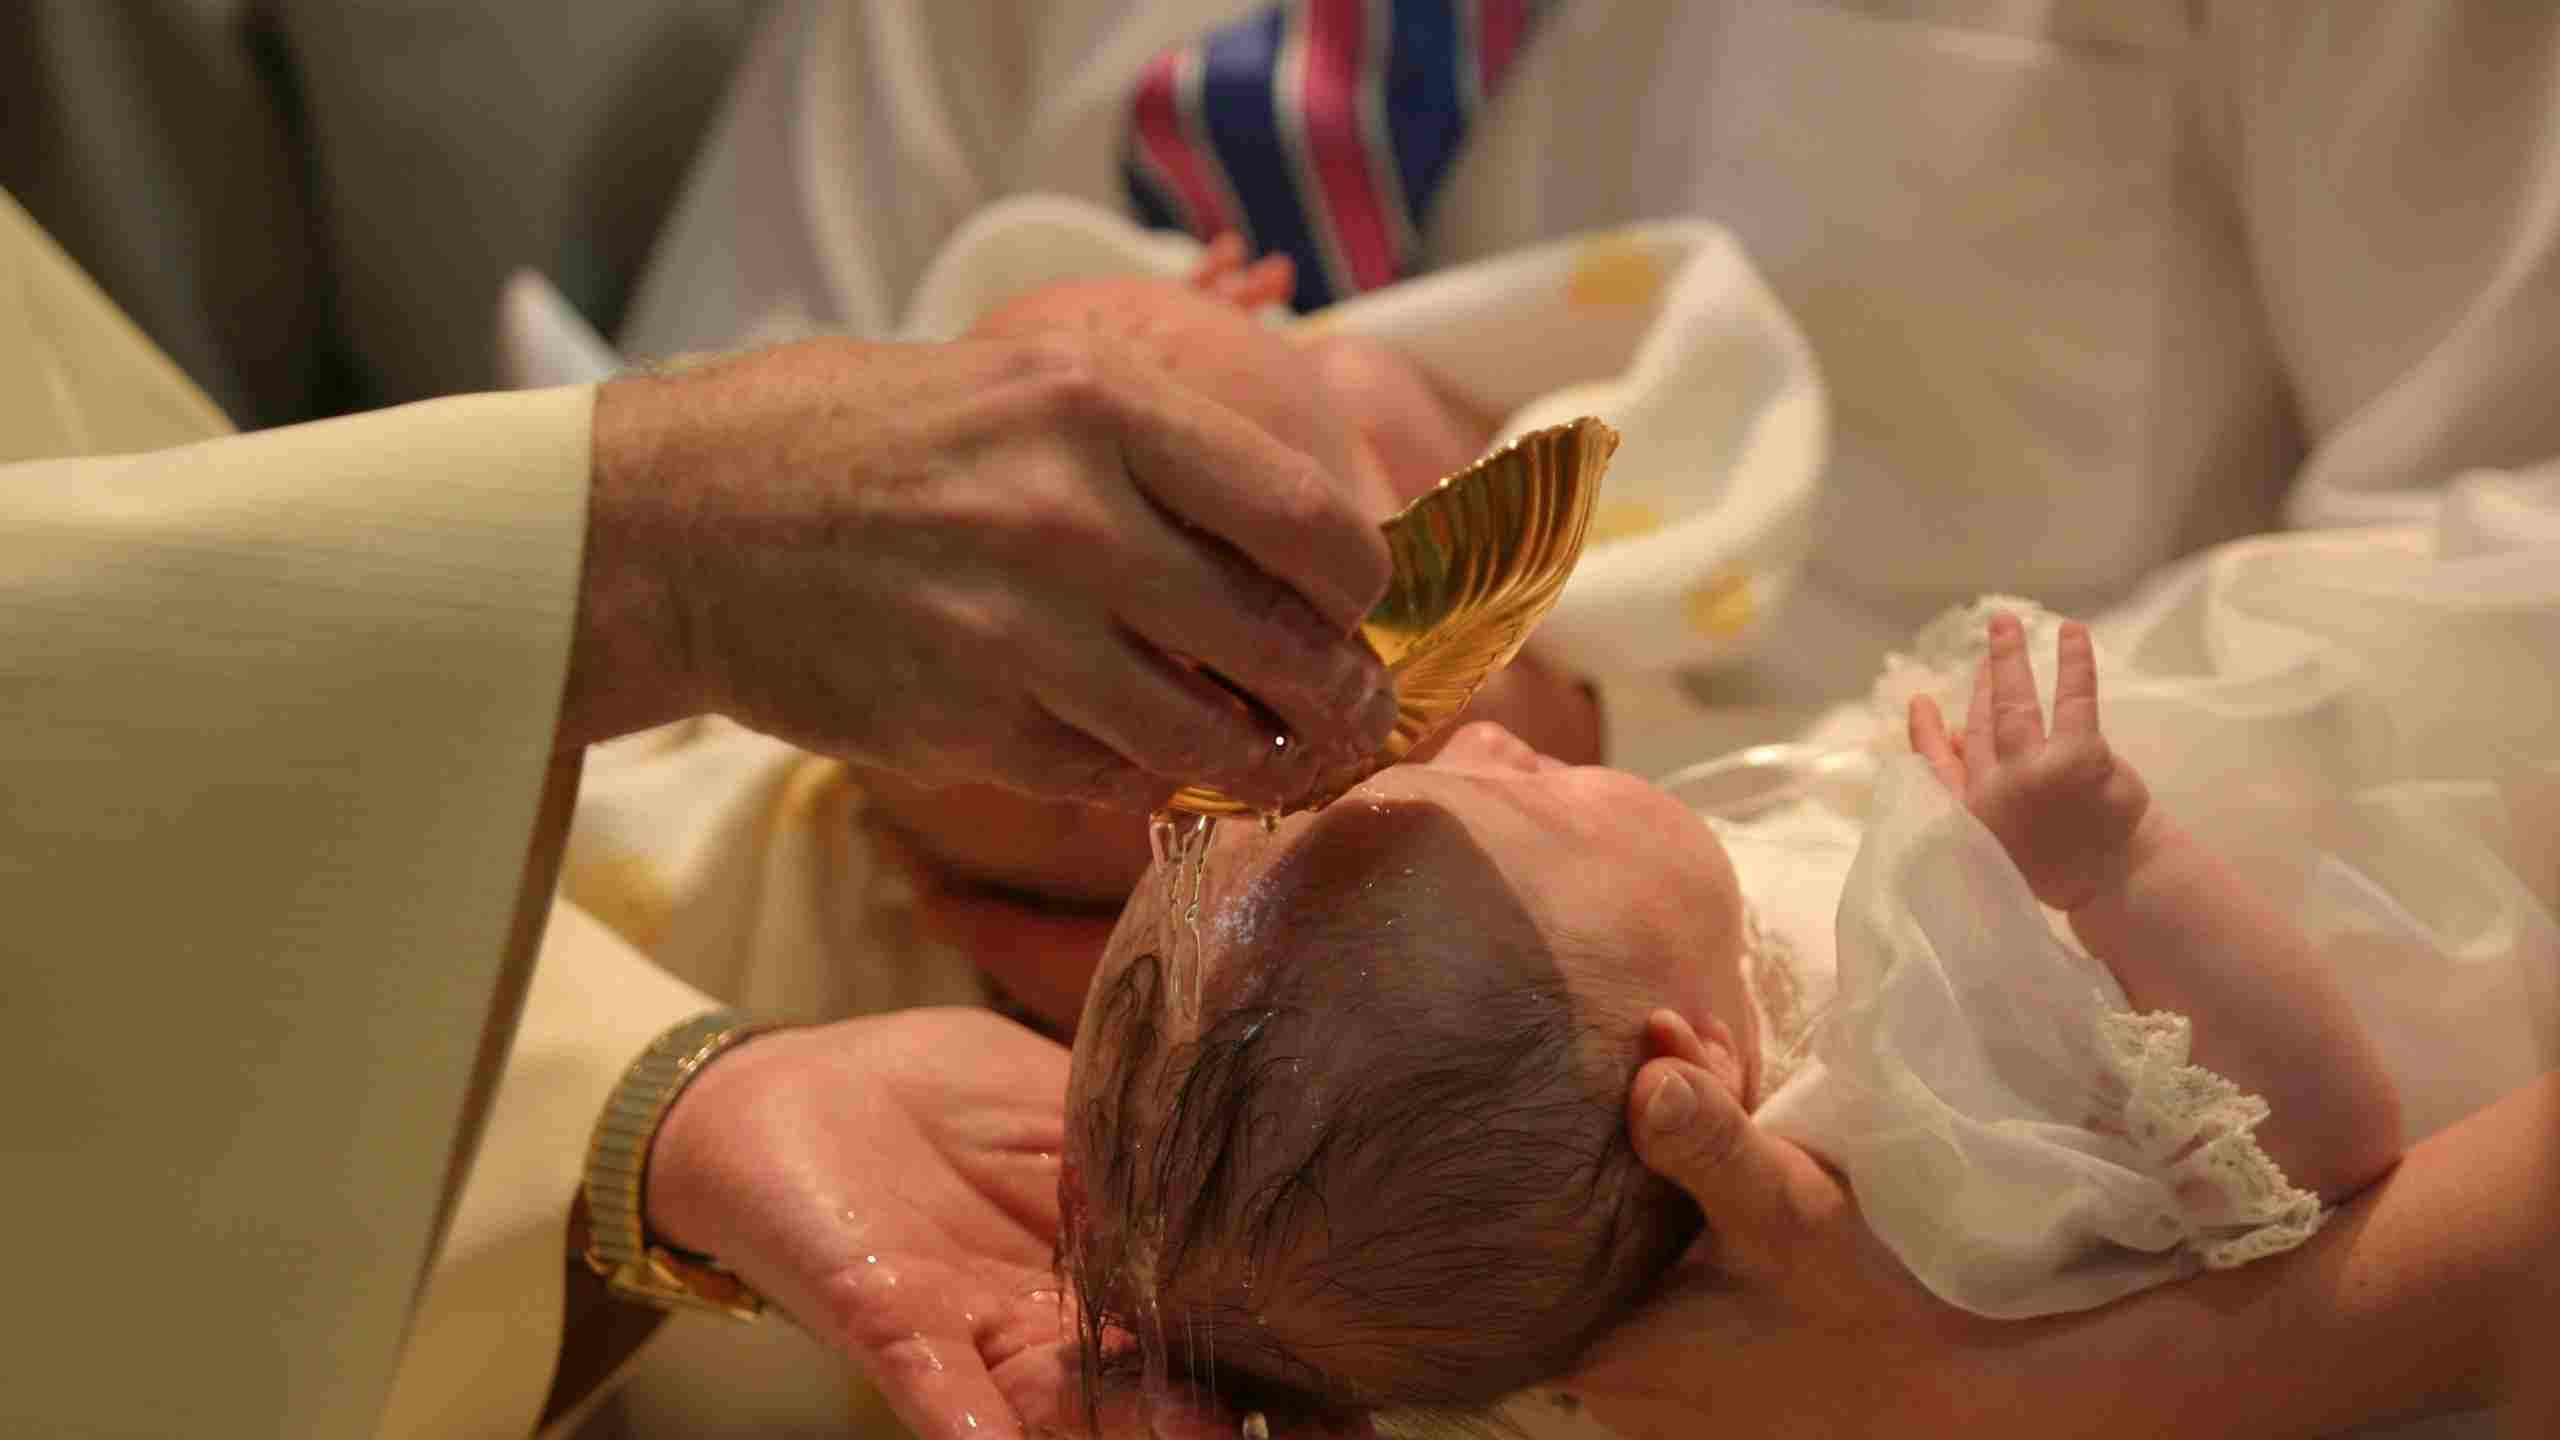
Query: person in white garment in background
294	720
2090	285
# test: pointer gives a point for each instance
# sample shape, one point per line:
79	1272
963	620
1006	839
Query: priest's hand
891	1183
1013	561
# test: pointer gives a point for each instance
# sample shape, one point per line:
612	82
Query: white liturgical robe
279	714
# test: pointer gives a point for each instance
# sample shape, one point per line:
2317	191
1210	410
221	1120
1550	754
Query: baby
1355	407
1382	1163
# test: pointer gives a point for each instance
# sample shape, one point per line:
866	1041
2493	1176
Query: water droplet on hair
1181	848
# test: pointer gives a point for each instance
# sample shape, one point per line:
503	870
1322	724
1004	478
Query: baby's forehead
1358	904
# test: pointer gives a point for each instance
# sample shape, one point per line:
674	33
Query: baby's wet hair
1389	1171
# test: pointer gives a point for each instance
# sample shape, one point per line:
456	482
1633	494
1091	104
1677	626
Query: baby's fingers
2017	717
1979	760
2075	682
1929	741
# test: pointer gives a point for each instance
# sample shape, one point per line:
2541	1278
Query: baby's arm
2160	910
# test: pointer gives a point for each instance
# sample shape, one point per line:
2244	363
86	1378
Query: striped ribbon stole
1319	129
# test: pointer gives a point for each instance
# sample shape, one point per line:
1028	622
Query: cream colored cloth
280	707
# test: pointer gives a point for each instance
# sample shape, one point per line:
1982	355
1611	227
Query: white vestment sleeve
278	710
487	1334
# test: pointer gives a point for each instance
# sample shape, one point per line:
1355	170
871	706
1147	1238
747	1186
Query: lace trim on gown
1777	989
2198	1132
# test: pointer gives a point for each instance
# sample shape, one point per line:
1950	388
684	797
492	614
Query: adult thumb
1690	1128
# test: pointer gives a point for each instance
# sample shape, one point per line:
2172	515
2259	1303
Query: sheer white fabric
2017	1137
2363	722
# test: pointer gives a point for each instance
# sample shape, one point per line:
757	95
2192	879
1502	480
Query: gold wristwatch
618	1246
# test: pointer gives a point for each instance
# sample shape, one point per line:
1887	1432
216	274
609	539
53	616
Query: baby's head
1384	1162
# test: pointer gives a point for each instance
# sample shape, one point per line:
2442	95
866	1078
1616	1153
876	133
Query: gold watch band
618	1245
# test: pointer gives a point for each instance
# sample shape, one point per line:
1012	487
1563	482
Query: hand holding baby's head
1381	1160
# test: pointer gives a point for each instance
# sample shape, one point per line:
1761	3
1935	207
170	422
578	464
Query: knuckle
1183	752
2080	763
1281	653
1306	499
978	624
1046	759
1049	514
1066	374
1058	521
1096	775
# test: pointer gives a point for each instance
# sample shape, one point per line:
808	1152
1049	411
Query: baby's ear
1668	1035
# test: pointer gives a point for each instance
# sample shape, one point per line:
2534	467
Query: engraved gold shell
1478	561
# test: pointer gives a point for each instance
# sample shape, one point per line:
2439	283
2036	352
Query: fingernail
1355	678
1674	1105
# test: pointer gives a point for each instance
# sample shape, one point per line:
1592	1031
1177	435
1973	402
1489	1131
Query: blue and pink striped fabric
1319	129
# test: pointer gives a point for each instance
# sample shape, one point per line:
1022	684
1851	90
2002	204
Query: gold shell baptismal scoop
1479	560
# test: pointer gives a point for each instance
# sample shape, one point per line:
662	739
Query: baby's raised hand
2064	805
